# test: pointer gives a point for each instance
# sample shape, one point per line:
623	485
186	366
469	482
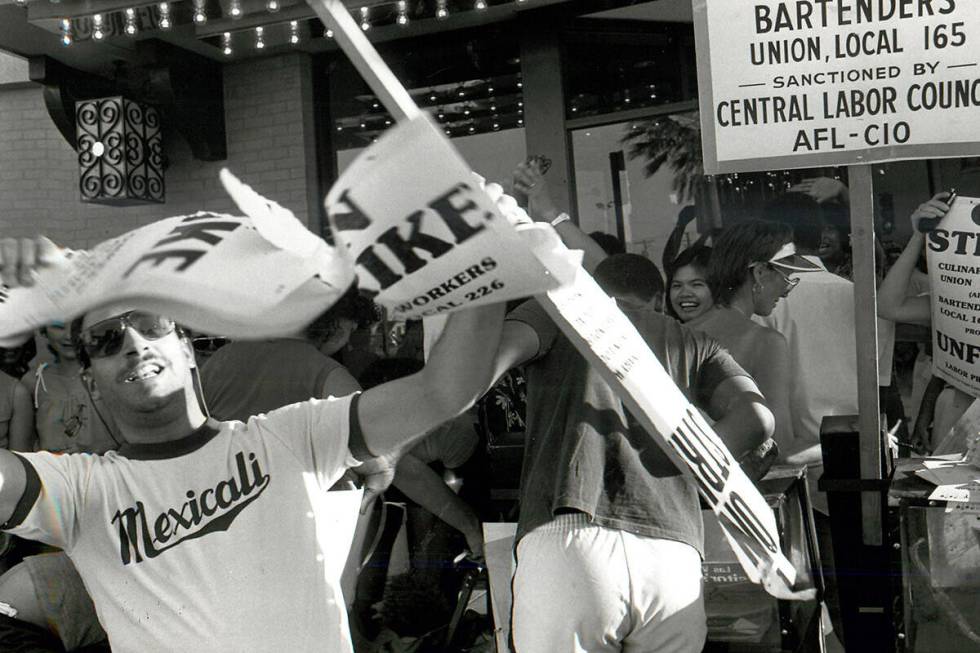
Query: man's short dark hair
351	306
630	275
610	244
802	214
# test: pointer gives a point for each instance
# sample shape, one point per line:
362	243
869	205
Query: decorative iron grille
120	152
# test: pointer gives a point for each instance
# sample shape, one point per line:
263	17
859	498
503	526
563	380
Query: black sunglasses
208	344
106	338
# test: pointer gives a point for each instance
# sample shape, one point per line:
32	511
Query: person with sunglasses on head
204	535
749	272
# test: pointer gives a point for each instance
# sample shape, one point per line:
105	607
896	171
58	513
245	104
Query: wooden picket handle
400	105
366	59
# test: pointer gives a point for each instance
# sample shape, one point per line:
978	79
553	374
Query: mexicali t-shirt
224	541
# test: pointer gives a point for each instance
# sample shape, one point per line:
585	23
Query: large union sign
806	83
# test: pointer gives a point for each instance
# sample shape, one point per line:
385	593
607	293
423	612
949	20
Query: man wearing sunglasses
204	535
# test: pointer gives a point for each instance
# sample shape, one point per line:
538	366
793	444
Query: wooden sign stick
366	59
611	344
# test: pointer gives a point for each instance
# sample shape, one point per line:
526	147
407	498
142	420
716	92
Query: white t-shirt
817	319
224	541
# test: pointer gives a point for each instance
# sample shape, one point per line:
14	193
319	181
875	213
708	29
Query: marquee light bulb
130	25
200	12
164	22
66	39
97	32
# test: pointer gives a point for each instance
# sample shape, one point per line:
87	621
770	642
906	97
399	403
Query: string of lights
142	18
475	106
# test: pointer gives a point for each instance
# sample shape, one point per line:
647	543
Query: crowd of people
180	495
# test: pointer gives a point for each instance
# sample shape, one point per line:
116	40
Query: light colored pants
581	587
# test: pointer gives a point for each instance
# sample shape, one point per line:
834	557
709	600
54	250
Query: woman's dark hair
697	255
738	247
21	357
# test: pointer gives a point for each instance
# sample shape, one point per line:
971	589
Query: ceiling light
98	33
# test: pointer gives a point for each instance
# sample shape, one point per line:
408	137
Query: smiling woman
687	284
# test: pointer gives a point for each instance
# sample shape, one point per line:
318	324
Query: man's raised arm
457	373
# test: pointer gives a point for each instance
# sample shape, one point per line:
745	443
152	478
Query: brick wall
269	121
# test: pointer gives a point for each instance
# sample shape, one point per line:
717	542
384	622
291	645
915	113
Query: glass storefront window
619	65
614	194
469	81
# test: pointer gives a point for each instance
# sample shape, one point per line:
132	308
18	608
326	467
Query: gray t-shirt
249	378
585	452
